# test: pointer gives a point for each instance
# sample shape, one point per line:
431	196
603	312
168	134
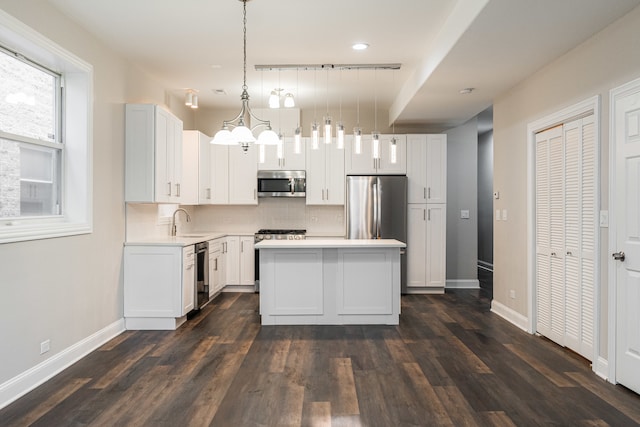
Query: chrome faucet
174	229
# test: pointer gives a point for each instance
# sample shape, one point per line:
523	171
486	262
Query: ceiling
443	46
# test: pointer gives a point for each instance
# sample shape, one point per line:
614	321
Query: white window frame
77	125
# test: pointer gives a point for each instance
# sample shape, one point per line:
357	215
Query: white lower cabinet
217	273
426	247
240	263
159	286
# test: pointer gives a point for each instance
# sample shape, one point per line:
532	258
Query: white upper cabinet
196	170
219	170
390	160
243	175
325	174
282	157
153	155
427	168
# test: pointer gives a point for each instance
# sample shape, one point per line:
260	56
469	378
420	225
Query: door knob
618	256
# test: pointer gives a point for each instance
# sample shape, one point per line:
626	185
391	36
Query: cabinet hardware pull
618	256
429	214
429	193
209	193
424	193
169	188
327	194
254	193
216	265
424	214
178	190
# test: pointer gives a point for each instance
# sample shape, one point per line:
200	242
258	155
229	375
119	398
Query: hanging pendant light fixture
327	118
357	131
315	129
297	136
241	134
340	125
393	147
375	149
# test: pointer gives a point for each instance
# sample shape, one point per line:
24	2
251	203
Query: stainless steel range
266	234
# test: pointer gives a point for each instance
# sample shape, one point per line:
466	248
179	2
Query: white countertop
182	240
330	243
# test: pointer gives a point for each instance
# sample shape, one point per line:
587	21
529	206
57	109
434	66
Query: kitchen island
330	282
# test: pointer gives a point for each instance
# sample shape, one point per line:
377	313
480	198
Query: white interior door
626	130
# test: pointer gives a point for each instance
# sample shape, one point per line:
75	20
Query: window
31	147
45	137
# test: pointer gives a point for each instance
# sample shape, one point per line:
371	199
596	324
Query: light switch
464	214
497	214
504	214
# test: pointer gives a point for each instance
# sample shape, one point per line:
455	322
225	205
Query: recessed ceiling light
219	91
360	46
467	90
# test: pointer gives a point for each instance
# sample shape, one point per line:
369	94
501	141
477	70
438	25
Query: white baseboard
510	315
20	385
601	368
462	284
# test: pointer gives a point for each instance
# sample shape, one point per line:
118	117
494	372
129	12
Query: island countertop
330	243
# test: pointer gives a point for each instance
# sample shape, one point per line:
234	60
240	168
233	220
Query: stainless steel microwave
282	184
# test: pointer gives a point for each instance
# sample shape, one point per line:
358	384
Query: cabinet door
232	260
191	175
188	279
316	171
243	175
417	168
163	146
293	159
247	260
334	174
361	163
175	158
416	245
393	161
436	245
268	157
204	169
219	163
215	264
437	168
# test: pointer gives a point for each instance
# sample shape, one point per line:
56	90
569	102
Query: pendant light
340	125
297	136
327	118
241	134
375	142
357	131
315	130
393	146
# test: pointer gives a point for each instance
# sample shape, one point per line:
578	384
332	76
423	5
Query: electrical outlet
464	214
45	346
512	294
496	195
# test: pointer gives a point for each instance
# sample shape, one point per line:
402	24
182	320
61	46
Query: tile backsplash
143	220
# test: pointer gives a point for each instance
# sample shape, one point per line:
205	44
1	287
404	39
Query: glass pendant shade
224	137
274	100
327	130
297	141
375	145
393	151
357	140
243	134
340	135
289	102
315	136
268	137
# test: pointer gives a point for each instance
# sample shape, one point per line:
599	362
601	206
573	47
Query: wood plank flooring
450	362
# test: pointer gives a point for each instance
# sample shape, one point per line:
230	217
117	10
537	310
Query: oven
267	234
202	274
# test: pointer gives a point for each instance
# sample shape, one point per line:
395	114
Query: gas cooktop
267	234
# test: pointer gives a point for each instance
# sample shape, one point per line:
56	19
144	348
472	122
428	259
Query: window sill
21	233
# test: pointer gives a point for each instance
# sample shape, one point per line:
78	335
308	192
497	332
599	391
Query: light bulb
289	102
327	130
393	151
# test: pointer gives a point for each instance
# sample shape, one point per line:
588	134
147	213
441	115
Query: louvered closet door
580	229
549	234
566	224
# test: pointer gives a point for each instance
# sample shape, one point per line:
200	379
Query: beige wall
66	289
607	60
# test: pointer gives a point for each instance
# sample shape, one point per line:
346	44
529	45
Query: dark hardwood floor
449	362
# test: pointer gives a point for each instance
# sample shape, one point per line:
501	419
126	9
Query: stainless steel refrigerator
377	209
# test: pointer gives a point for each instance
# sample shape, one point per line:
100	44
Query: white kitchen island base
330	282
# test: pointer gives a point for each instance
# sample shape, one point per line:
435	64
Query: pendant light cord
244	34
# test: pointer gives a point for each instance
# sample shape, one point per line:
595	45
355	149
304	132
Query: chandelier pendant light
240	133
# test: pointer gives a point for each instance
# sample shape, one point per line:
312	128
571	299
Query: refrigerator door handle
376	212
